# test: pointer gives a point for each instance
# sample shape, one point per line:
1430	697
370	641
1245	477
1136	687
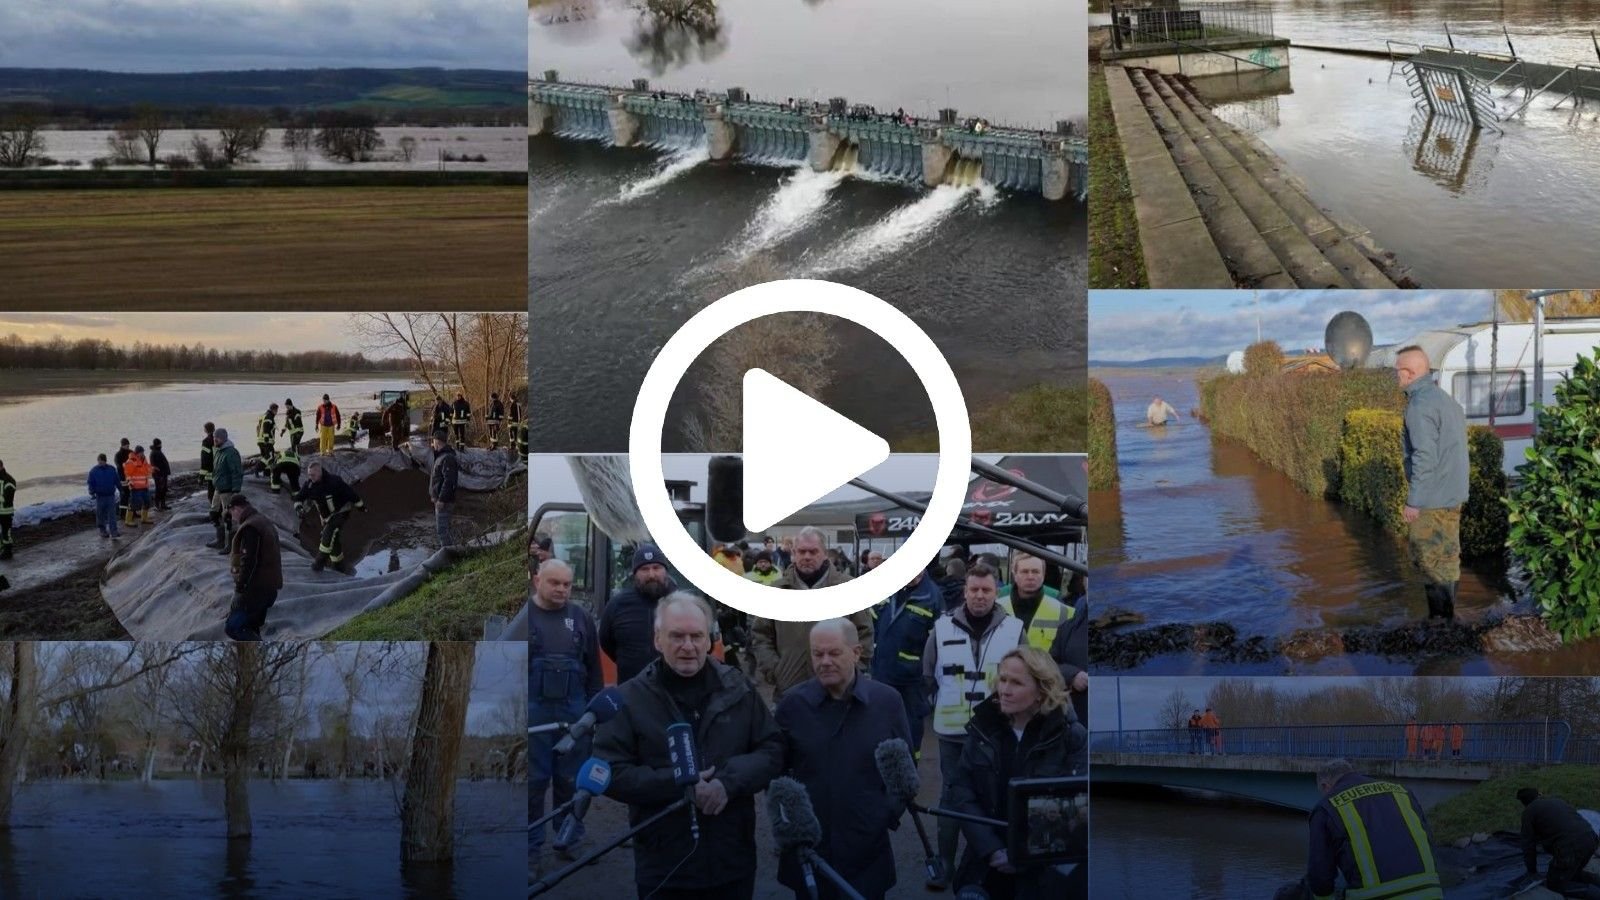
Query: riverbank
1492	805
356	248
1116	256
1045	418
452	605
23	385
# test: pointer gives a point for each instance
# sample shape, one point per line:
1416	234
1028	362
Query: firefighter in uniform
333	500
961	659
294	424
1374	833
123	494
461	414
900	628
8	510
352	427
208	459
266	438
497	414
441	414
286	470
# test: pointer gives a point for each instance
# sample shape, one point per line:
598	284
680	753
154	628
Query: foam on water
894	232
799	199
677	164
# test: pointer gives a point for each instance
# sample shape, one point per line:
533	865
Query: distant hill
1165	362
290	88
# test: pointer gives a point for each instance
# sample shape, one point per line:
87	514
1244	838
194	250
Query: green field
451	606
1492	805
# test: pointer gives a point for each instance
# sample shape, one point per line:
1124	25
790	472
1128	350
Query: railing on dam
1510	742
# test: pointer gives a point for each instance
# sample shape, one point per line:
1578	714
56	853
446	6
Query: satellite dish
1349	340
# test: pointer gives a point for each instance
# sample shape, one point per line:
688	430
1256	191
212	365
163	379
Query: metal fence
1523	742
1189	21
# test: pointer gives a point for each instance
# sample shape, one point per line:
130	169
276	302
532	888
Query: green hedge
1295	422
1372	479
1102	438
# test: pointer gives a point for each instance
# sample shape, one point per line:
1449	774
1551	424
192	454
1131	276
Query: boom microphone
795	828
685	759
898	771
603	708
593	779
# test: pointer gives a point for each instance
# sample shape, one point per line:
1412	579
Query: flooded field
503	149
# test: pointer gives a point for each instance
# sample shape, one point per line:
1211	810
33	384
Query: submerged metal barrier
1453	92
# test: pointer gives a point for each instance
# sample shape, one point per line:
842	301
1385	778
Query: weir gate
828	136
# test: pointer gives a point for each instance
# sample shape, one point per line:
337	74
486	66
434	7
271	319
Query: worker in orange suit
1457	736
1411	738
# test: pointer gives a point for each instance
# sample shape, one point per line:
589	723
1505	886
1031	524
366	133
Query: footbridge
826	136
1278	765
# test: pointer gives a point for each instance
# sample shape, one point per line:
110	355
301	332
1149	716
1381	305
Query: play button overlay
788	468
815	452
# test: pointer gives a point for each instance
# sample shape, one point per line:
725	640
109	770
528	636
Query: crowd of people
998	665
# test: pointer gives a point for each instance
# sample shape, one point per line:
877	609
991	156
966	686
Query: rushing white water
677	164
798	200
895	231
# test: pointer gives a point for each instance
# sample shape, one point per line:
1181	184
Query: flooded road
626	244
1200	530
1192	846
504	149
312	839
52	439
1460	209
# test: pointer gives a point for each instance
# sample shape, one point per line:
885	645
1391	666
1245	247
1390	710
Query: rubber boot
5	552
147	518
1437	602
128	520
1448	595
227	542
321	562
221	539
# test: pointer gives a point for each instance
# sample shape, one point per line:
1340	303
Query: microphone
594	776
685	759
603	708
795	828
898	772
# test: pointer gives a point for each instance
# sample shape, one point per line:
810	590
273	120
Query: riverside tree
348	136
20	140
427	810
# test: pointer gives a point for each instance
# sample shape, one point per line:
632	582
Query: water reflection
671	34
1450	152
238	880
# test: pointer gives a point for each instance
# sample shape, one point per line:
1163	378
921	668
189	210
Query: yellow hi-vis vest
965	679
1046	622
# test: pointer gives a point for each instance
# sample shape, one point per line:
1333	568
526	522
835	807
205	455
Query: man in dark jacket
740	750
294	423
1555	825
208	451
954	583
103	482
627	625
228	478
161	471
334	501
900	629
782	650
563	676
124	495
442	484
831	725
1070	650
1395	858
256	562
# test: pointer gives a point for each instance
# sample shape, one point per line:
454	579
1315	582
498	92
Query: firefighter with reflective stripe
266	438
497	415
123	452
333	500
1374	833
286	470
441	413
900	629
8	511
514	409
521	426
294	424
460	415
208	459
352	426
961	661
1050	624
137	472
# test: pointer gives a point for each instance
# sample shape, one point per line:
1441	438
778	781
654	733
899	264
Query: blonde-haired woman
1025	729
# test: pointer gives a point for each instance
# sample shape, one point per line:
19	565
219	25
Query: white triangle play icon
802	453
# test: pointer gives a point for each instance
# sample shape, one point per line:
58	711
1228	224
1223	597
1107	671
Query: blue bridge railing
1521	742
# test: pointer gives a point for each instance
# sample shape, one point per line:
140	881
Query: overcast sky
201	35
1127	326
285	332
1141	697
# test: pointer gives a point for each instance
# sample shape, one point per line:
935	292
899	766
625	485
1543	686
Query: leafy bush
1263	359
1102	438
99	163
1372	479
1555	508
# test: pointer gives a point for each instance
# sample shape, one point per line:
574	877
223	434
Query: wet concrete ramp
167	585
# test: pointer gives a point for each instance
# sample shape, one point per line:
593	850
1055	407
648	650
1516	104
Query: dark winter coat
1053	745
832	756
442	479
627	630
736	734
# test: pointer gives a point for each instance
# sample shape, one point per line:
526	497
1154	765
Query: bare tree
149	126
124	145
1174	714
348	136
475	353
241	134
19	663
427	810
20	140
408	148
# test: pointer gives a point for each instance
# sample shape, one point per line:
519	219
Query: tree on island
348	136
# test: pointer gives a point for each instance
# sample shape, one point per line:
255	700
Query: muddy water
1201	530
1500	210
1177	845
1541	30
51	440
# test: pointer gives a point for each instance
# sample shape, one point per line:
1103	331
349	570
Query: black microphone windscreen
794	822
683	754
897	769
725	498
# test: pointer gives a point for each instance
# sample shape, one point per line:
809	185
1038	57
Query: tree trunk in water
149	765
17	717
235	748
427	811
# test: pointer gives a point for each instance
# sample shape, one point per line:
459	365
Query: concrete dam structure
828	137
